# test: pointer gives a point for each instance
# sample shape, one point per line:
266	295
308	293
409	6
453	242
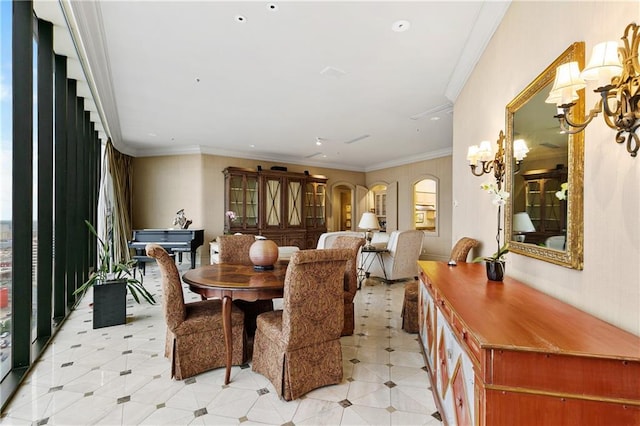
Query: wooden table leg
228	338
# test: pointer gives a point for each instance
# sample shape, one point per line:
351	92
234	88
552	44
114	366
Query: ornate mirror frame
572	256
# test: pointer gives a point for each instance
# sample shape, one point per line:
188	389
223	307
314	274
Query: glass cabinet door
294	201
273	214
242	201
315	198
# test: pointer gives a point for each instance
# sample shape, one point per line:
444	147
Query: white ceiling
184	77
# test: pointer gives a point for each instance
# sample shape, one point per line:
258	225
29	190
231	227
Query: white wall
530	37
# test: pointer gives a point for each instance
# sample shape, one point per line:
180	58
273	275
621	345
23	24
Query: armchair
401	260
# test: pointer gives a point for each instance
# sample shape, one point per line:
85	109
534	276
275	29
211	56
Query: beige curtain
119	166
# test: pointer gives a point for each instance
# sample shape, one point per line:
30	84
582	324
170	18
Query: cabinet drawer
466	339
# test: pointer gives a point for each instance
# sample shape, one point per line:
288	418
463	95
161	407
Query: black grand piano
172	240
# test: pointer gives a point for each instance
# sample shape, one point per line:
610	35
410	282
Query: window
6	184
425	198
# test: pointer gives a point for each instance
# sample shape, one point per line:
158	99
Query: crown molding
487	22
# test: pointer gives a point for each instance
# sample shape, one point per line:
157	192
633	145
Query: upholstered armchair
298	348
234	249
195	337
459	253
401	260
350	278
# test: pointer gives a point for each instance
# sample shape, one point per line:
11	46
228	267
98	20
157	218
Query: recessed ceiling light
153	135
241	19
318	141
197	80
272	7
401	26
252	146
435	118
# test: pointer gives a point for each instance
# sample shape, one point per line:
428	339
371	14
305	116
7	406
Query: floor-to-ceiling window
34	195
6	183
43	122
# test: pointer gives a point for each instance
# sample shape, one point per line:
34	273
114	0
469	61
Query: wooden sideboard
507	354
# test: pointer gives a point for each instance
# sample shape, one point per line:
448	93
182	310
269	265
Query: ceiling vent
359	138
332	72
313	155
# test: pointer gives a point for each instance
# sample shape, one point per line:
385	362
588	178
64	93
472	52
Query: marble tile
119	375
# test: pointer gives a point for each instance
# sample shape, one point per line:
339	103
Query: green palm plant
108	270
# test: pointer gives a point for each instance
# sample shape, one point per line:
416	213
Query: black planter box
109	303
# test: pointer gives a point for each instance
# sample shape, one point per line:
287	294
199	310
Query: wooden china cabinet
503	353
286	207
548	214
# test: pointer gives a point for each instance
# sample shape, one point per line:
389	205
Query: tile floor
119	376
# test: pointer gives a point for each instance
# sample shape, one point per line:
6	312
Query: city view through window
6	186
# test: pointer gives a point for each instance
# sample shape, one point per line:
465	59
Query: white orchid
231	215
499	196
562	194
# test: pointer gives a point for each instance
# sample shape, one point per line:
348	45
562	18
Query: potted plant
496	262
110	282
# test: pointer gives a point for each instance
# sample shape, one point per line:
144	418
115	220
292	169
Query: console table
507	354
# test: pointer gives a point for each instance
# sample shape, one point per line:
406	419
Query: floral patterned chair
298	348
350	278
410	324
195	337
234	249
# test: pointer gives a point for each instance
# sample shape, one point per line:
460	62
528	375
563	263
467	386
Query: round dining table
230	282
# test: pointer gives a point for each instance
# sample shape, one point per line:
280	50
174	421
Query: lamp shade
604	63
368	221
566	84
520	149
522	223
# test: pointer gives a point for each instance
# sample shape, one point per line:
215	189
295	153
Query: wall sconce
617	72
484	155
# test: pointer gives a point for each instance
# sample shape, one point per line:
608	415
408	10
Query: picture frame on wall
420	217
347	224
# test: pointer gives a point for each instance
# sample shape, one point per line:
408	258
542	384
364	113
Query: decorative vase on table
263	254
495	270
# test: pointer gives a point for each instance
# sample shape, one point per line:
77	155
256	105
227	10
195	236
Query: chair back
313	306
172	297
351	272
405	247
234	249
327	239
462	248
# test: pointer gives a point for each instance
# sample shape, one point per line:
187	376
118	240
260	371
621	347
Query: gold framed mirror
539	223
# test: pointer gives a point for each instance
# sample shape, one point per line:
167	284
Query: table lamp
368	221
522	223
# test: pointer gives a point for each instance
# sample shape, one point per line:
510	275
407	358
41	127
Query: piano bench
142	261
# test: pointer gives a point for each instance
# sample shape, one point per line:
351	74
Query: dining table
230	282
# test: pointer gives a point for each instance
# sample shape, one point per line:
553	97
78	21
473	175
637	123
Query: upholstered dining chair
459	253
234	249
350	278
195	337
298	348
